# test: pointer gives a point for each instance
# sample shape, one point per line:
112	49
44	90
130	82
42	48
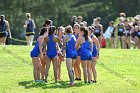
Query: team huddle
75	44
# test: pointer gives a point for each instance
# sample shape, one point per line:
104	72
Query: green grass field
118	72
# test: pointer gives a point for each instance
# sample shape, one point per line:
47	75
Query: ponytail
85	32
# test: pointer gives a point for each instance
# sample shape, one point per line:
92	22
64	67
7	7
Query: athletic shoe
76	78
79	79
46	82
94	81
72	84
87	83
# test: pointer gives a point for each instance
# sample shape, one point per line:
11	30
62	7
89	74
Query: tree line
61	11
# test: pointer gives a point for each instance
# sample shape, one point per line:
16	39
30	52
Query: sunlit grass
118	72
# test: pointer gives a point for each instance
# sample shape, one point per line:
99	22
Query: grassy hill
118	72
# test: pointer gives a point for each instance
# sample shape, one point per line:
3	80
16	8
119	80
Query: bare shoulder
32	20
89	39
66	38
94	37
46	38
81	39
6	22
41	37
100	25
56	38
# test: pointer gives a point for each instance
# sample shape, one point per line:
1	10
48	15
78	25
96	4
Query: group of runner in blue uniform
75	45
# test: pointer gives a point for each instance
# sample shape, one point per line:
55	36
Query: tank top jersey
86	54
121	29
51	47
95	49
78	51
35	52
97	30
3	27
127	30
76	36
30	27
71	51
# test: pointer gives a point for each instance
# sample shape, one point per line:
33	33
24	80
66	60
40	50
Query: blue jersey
71	51
86	53
97	31
51	47
35	52
76	36
95	49
3	27
121	29
30	26
78	51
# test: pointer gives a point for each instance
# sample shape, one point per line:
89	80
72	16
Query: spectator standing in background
128	28
4	30
123	16
112	38
79	19
98	30
30	27
120	32
73	20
